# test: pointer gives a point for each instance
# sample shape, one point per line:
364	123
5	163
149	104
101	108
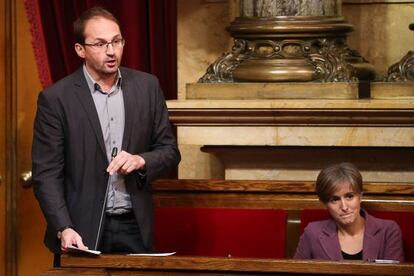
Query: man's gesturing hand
125	163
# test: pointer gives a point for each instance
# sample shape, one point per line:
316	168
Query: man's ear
80	50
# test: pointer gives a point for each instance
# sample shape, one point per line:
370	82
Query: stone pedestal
278	40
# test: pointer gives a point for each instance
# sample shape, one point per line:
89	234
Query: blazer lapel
371	244
86	100
329	241
129	100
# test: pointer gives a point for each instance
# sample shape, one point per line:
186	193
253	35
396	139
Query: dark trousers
121	234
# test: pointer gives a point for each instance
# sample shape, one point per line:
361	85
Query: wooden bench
293	197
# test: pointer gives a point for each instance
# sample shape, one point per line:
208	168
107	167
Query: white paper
153	254
74	249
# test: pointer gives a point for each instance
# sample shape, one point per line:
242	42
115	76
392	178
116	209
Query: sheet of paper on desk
153	254
74	250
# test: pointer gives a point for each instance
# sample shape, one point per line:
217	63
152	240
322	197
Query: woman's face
344	205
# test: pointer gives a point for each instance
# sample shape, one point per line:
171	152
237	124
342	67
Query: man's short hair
79	24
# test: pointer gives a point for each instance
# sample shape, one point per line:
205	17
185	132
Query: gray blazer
69	159
382	240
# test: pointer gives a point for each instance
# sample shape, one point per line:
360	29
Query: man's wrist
59	233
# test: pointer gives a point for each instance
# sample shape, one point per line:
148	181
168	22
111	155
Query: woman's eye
350	196
334	199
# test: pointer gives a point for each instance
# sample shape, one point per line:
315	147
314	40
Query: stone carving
221	70
402	70
331	61
289	40
330	58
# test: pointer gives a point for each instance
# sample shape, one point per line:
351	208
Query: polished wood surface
271	186
291	116
2	143
290	195
174	265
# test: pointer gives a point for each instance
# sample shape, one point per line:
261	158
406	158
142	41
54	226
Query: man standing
92	197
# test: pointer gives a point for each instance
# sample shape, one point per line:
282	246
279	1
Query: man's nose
109	49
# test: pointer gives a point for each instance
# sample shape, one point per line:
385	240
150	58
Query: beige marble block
292	90
395	90
391	103
201	38
198	165
297	136
310	175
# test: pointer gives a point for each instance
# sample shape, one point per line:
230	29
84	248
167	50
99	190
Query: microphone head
114	152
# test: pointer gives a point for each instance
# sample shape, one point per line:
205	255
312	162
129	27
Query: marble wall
381	34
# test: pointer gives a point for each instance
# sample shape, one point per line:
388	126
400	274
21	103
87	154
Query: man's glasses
103	45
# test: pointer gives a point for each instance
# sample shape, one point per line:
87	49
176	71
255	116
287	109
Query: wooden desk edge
235	264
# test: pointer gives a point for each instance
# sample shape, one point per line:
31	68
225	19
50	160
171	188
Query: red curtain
149	28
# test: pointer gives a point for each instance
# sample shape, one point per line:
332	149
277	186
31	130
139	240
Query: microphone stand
113	155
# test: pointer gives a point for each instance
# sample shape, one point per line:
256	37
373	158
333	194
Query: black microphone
113	155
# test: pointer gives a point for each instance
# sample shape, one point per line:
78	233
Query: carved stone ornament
404	69
275	41
222	69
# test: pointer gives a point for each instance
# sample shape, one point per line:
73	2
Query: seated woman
350	233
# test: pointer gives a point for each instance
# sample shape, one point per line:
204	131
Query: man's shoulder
63	84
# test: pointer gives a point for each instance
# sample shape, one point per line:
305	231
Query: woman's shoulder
318	226
380	223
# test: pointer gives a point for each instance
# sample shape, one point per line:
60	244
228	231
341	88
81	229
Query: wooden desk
181	265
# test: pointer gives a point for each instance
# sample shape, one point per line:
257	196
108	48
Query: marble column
289	40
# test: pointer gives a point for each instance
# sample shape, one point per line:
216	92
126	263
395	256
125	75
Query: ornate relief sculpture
289	40
404	69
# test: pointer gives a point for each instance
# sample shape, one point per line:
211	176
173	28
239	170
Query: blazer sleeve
164	154
393	249
303	250
48	162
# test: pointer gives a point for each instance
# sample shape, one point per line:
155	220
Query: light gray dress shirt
111	113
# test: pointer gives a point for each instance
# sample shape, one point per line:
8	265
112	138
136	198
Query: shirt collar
93	85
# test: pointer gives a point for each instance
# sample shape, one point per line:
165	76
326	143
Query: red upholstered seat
404	219
219	232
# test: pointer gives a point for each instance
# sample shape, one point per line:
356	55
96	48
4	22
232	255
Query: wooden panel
269	186
297	117
2	141
290	195
29	215
231	266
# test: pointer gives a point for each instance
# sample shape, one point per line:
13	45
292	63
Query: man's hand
125	163
71	237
